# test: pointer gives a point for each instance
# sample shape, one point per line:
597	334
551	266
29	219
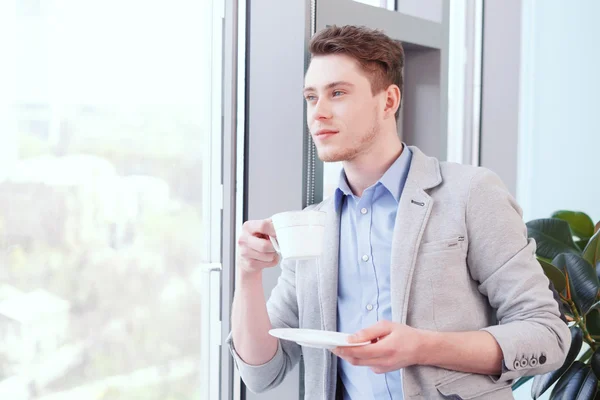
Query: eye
337	93
310	97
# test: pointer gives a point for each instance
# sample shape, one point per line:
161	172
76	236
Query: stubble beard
360	145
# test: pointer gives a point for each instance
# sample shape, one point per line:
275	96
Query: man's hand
394	346
255	249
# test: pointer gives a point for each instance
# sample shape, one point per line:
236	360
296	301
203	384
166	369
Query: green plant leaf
581	224
596	363
541	383
592	322
552	236
554	274
520	382
578	383
581	244
592	251
587	355
583	280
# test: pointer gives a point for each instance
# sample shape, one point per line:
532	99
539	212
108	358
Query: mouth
325	133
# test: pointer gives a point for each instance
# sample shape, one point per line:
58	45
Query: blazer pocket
468	386
454	243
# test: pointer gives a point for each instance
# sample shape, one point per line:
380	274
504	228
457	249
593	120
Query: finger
259	227
371	362
381	370
377	350
380	329
251	254
260	245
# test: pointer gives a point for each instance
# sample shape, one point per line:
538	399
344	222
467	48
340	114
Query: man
430	261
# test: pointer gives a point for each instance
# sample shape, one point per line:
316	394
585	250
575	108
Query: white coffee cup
299	234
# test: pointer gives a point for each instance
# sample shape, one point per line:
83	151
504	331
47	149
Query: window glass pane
102	197
431	10
389	4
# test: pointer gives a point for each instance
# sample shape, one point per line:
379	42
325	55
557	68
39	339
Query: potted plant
568	250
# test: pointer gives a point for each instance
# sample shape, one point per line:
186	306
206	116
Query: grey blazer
461	261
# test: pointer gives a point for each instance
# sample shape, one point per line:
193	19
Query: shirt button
364	211
365	258
369	307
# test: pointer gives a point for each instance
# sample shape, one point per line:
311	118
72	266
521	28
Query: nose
321	111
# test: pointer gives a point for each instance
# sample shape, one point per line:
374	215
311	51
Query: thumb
380	329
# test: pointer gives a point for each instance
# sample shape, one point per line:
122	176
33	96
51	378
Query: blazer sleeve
282	308
533	338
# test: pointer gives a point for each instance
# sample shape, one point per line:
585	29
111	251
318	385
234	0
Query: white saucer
315	338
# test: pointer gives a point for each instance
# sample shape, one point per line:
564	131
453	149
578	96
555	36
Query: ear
392	101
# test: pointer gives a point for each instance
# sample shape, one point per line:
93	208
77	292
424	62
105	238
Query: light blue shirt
366	228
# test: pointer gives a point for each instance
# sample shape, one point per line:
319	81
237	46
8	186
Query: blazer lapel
413	214
328	268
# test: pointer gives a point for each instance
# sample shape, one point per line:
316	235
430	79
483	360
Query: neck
367	168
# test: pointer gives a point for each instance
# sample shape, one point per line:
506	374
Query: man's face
343	115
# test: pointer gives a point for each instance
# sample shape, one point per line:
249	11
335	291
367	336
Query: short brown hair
380	57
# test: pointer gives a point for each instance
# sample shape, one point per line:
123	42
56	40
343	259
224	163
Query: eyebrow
329	86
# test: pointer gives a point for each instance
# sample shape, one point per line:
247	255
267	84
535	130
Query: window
388	4
104	217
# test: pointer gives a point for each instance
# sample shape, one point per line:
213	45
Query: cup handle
275	244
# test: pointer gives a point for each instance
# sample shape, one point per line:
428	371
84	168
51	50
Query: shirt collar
393	179
342	190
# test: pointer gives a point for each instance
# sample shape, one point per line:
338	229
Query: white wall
559	132
559	135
